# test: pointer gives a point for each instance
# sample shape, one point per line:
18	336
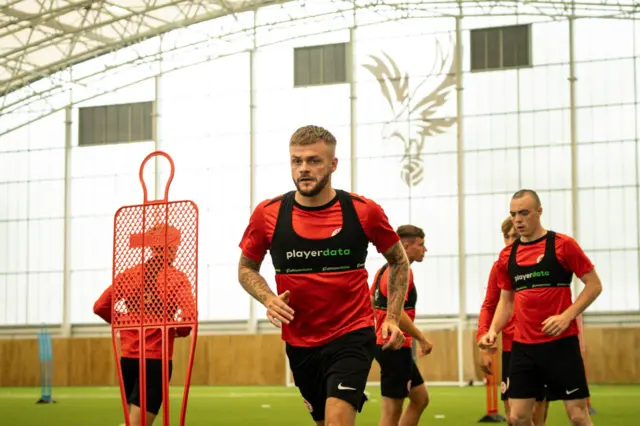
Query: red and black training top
540	273
379	293
319	254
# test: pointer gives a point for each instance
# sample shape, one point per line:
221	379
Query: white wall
31	223
516	134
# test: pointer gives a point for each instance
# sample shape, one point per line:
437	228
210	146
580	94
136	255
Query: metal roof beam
55	24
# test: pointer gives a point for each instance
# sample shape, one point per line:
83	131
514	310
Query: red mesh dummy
155	291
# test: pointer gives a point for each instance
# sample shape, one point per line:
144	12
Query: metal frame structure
39	44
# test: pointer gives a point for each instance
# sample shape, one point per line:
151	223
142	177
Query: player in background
129	304
318	239
535	274
487	312
399	375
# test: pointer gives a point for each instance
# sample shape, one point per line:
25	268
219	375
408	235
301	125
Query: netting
155	265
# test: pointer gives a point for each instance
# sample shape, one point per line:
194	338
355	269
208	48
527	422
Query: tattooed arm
397	282
251	280
278	311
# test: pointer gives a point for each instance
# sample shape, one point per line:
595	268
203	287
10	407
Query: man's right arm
503	311
251	280
489	305
102	306
254	246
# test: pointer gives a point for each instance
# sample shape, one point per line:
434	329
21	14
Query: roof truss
40	40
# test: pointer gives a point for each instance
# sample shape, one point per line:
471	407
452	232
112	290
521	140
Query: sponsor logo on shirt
306	254
531	275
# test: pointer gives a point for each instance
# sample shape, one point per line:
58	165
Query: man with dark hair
487	312
399	375
318	238
535	274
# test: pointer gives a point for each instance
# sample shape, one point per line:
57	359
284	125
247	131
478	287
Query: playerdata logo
306	254
531	275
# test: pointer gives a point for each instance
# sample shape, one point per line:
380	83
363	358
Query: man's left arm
577	262
581	266
591	291
187	305
397	281
386	240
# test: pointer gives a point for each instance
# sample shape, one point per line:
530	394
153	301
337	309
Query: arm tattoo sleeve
251	280
398	280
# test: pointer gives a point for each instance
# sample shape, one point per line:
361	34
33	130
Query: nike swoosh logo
569	392
340	387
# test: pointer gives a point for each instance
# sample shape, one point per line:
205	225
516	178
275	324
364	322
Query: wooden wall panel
612	356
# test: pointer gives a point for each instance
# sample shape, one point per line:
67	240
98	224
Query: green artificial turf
266	406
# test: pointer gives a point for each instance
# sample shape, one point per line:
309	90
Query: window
501	47
320	65
109	124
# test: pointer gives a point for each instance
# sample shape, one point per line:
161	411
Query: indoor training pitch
280	406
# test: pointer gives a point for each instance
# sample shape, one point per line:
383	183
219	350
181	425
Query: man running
535	274
399	375
130	304
487	312
318	239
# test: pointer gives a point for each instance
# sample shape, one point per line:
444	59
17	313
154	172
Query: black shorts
398	372
557	364
131	379
504	386
338	369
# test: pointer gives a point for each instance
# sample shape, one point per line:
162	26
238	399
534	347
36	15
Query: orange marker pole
492	412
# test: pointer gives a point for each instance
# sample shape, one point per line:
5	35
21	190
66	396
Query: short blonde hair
309	135
506	226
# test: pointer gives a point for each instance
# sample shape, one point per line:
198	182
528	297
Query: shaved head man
534	275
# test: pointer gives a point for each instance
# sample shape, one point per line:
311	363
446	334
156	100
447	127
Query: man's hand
488	341
485	361
556	325
391	331
278	309
425	347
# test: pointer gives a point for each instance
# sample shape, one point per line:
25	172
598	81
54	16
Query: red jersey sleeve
573	257
378	229
502	269
102	306
491	299
254	243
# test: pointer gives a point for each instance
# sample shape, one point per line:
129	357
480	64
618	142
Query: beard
315	189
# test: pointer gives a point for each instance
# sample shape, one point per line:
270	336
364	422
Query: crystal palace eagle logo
418	108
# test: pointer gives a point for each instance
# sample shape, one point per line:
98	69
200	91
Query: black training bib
380	300
345	251
547	273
